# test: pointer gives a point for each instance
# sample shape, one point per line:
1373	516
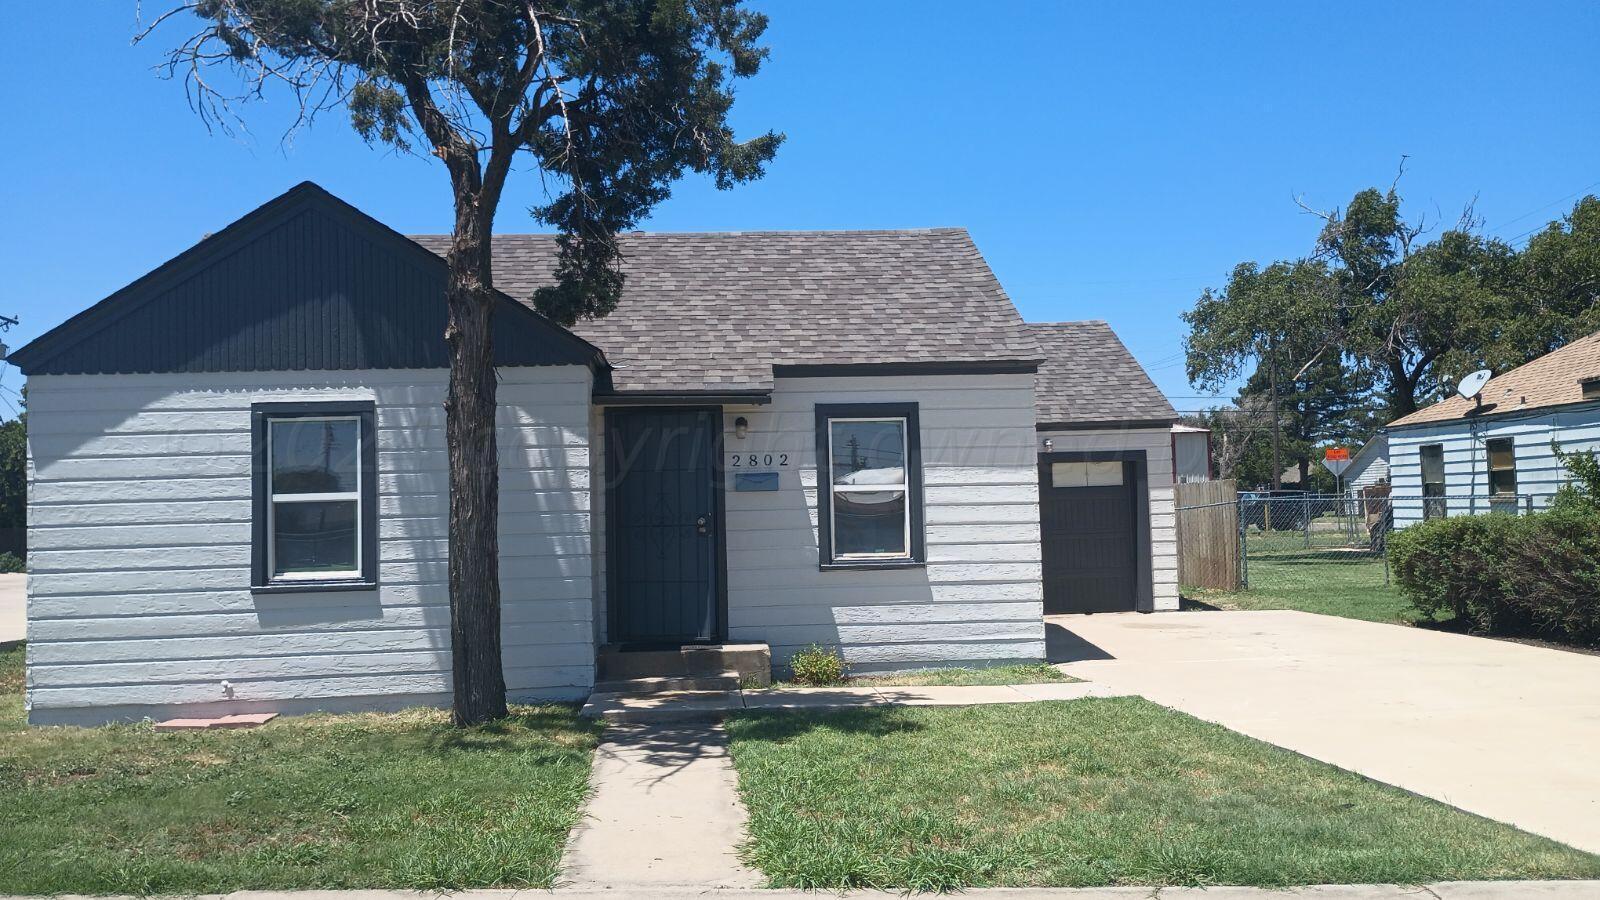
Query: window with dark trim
315	496
869	485
1502	454
1433	502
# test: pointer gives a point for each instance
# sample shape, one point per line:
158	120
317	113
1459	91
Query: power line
1502	226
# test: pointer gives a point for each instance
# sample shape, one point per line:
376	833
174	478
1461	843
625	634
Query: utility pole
1272	387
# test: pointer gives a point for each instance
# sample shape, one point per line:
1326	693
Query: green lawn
1022	673
1350	587
397	800
1088	792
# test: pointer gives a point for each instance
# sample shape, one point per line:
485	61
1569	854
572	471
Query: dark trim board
1123	425
1143	553
682	398
611	468
260	413
914	494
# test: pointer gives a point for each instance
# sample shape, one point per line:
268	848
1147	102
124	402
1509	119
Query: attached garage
1105	476
1094	513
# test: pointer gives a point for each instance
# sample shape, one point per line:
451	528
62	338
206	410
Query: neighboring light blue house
1369	466
1495	452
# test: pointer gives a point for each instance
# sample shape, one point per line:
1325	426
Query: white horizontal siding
979	598
1157	446
140	534
1539	472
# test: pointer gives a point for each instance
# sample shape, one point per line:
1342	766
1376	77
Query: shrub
1453	566
818	666
1582	490
10	562
1504	574
1553	573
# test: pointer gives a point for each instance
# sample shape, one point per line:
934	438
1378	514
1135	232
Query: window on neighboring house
1502	466
315	490
869	485
1433	502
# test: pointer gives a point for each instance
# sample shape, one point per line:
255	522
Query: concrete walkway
1504	730
1452	890
664	813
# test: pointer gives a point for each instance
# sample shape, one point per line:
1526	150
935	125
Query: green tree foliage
1582	489
1559	299
14	473
609	100
1402	310
1276	326
1329	404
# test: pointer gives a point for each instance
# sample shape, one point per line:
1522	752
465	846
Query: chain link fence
1311	550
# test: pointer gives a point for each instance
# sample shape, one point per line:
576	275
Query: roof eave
1518	411
1103	424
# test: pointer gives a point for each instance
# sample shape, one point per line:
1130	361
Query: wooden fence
1208	534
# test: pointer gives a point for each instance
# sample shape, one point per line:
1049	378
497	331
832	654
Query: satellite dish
1473	382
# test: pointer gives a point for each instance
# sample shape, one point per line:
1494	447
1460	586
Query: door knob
700	524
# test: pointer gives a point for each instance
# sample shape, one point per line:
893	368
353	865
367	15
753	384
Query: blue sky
1111	160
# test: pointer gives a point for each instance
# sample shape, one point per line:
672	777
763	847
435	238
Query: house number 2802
755	460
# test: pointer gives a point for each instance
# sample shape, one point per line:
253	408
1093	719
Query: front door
663	531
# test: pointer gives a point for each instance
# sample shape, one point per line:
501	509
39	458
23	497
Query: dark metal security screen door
662	505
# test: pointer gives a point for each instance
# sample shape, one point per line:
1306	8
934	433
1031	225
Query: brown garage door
1088	521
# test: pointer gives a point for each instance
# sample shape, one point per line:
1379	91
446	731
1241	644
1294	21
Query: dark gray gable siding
306	282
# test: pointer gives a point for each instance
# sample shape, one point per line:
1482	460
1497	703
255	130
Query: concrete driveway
13	608
1505	730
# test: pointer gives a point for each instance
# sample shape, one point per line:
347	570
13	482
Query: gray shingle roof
1554	379
716	311
1088	377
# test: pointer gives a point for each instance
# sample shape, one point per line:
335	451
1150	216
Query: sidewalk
664	813
1452	890
689	706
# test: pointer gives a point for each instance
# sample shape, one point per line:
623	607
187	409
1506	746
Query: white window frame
274	498
904	487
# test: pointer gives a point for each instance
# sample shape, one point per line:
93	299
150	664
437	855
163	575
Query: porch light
741	426
1049	445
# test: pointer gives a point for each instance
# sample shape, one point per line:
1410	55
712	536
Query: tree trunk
1402	389
480	686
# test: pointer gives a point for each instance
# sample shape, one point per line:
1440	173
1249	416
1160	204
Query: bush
1503	574
10	563
1453	566
817	666
1553	575
1582	490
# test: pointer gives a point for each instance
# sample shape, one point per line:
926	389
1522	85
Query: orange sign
1336	453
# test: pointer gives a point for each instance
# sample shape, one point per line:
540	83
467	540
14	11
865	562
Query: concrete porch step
752	663
662	707
727	681
711	706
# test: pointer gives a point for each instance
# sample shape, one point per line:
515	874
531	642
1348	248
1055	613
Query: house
1369	466
1494	452
238	484
1191	453
1105	471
